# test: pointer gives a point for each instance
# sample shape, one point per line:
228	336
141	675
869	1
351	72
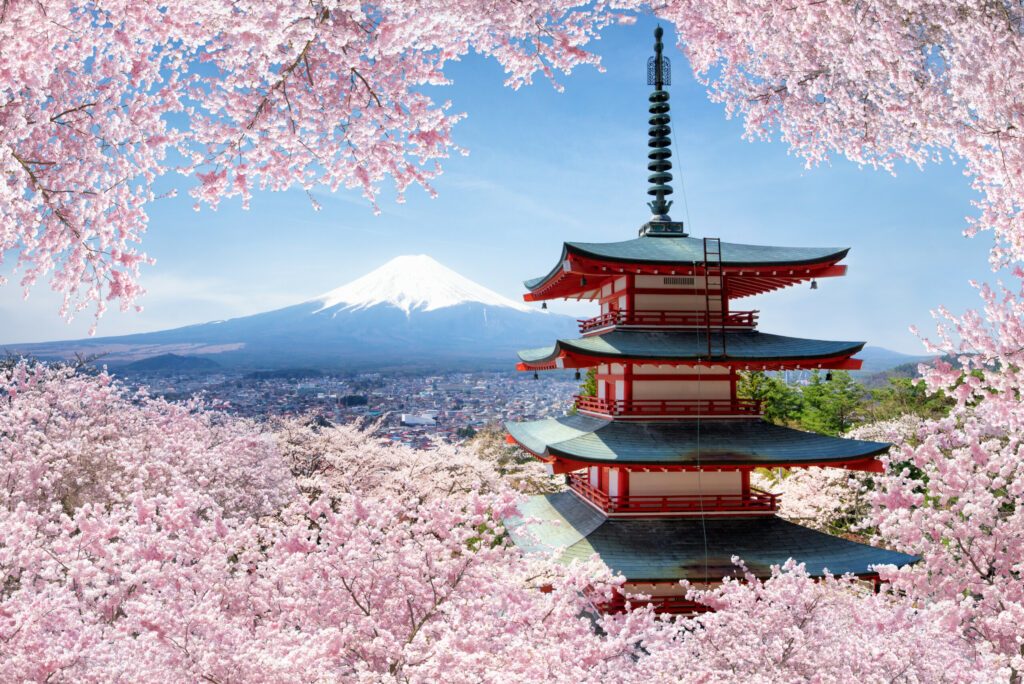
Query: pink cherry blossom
142	540
955	495
99	100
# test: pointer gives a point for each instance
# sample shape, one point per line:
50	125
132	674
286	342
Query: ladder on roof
714	295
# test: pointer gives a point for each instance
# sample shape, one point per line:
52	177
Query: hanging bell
814	284
535	376
583	280
544	305
828	376
577	374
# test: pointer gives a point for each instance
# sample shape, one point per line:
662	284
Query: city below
419	410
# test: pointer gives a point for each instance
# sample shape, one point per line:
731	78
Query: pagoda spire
659	74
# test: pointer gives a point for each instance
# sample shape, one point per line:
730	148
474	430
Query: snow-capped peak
413	283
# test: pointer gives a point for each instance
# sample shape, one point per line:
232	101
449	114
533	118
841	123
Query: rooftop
782	265
674	549
742	345
687	442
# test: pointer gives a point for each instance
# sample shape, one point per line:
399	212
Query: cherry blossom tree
149	541
332	459
100	100
957	498
835	500
789	628
69	439
877	82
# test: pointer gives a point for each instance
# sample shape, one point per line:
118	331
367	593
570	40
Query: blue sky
546	167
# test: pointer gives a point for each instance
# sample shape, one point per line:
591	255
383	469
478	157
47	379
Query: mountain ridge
410	311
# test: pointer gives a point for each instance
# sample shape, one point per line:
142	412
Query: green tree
589	386
906	395
781	403
832	402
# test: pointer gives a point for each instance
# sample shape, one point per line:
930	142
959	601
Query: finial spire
659	74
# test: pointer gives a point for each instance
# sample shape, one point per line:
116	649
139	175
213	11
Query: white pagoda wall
681	389
685	483
678	293
674	302
655	369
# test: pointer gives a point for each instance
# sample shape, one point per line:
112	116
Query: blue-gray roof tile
689	250
709	442
740	346
687	548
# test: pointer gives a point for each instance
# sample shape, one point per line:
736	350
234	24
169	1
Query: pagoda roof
690	442
672	549
753	346
683	252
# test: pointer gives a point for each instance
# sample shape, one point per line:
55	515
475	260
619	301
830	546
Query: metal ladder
714	280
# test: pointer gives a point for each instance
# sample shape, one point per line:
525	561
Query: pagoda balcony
757	502
661	408
741	320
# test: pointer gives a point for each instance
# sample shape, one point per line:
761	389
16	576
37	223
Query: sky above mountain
545	167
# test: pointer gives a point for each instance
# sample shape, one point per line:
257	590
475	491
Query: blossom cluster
144	540
101	100
149	541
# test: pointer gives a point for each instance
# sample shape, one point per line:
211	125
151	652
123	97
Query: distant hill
904	370
881	378
170	363
878	359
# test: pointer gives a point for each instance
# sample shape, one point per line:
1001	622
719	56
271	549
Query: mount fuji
412	311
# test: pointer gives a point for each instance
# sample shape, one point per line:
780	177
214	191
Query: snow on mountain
413	283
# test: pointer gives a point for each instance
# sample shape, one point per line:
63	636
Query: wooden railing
672	319
758	501
669	407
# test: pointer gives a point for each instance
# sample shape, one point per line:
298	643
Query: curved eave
685	250
745	350
580	441
744	277
661	550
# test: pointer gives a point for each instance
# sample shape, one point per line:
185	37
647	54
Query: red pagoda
658	462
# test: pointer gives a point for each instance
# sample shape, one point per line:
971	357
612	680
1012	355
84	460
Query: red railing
678	319
758	501
654	408
673	605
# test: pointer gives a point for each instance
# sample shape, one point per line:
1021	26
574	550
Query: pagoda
658	461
